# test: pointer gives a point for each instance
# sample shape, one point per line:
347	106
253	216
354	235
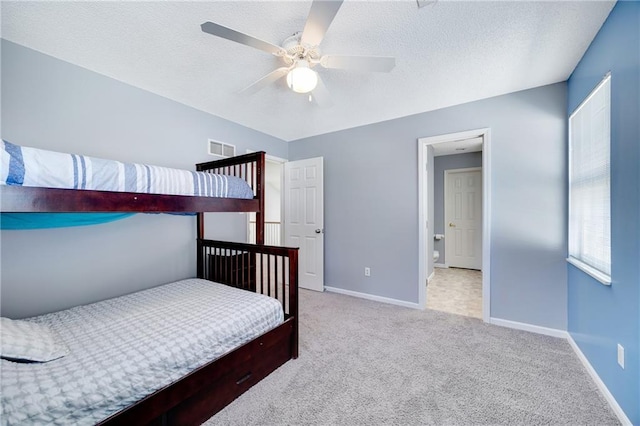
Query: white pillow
29	341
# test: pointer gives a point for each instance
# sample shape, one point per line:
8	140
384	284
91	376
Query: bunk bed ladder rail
268	270
249	167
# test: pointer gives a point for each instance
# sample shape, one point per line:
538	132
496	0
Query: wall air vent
221	149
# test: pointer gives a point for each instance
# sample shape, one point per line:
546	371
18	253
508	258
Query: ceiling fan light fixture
302	79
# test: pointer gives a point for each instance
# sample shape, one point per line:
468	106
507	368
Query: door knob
318	231
452	225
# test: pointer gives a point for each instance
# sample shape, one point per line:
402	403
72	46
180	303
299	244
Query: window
589	184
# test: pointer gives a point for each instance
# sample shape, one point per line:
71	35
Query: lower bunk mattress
120	350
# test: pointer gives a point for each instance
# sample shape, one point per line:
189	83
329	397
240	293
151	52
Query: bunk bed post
293	299
200	225
199	248
260	194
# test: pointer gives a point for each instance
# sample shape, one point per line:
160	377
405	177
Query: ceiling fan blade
359	63
321	95
265	81
242	38
320	17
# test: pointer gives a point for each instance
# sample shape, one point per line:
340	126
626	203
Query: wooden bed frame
269	270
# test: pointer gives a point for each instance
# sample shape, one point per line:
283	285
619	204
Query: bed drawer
213	397
210	388
246	367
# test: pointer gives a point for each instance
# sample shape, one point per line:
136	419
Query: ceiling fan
300	54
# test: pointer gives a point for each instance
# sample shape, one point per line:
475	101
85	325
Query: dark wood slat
262	280
269	275
260	189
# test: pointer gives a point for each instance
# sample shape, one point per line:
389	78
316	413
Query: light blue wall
600	317
442	163
51	104
371	202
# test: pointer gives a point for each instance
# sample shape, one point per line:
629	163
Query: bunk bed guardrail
249	167
26	199
269	270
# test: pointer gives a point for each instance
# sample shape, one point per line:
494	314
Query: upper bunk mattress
27	166
125	348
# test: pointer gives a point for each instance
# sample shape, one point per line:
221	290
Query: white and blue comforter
27	166
125	348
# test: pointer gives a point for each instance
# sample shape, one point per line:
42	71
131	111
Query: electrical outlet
367	272
621	355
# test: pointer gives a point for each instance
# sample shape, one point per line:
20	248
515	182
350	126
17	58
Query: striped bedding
27	166
125	348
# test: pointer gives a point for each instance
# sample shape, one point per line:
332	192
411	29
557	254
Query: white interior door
463	218
304	218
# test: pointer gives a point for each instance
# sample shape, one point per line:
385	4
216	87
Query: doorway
294	214
469	255
273	204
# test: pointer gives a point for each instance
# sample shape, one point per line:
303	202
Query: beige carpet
457	291
368	363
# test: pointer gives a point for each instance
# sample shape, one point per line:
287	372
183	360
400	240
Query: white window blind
589	183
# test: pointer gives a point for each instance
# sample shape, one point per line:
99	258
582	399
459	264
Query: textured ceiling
447	53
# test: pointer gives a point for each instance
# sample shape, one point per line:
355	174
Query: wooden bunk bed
272	271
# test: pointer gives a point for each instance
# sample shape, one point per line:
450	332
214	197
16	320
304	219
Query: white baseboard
440	265
431	277
374	297
598	381
554	332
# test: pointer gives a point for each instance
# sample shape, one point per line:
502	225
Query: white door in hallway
304	218
463	218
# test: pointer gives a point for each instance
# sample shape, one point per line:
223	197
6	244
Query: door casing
424	232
